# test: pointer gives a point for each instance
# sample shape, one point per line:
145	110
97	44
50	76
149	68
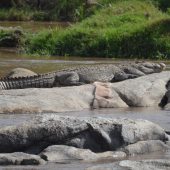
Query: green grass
124	29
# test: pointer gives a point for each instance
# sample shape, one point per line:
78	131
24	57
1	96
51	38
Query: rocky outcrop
63	139
96	134
140	92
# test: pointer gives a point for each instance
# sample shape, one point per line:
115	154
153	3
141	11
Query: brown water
10	58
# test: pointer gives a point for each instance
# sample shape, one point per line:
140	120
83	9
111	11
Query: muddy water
10	58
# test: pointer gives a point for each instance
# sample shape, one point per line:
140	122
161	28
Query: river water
10	58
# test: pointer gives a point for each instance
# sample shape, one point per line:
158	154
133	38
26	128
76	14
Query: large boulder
96	134
140	92
46	100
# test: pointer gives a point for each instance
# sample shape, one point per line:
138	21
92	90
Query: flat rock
20	158
156	164
46	100
63	153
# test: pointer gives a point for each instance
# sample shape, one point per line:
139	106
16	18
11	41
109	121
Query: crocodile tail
37	81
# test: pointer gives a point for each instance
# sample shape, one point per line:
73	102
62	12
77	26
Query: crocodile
83	75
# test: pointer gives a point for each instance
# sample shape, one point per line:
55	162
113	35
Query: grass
127	28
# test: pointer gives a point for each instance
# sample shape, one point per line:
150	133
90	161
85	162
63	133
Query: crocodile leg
120	76
68	79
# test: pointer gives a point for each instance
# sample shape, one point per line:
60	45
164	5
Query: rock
143	147
63	153
104	97
46	100
156	164
140	92
143	91
96	134
19	158
20	72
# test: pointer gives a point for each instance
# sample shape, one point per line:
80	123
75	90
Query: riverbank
123	29
126	29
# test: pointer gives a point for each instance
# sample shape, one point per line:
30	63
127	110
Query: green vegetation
108	28
53	10
10	37
14	14
127	28
58	10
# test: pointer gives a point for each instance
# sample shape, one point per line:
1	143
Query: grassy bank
131	28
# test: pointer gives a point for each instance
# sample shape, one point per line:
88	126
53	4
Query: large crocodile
83	75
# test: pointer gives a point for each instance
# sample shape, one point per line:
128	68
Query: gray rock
46	100
96	134
63	153
143	147
20	72
156	164
19	158
143	91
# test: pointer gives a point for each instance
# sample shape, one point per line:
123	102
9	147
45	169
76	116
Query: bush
10	37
